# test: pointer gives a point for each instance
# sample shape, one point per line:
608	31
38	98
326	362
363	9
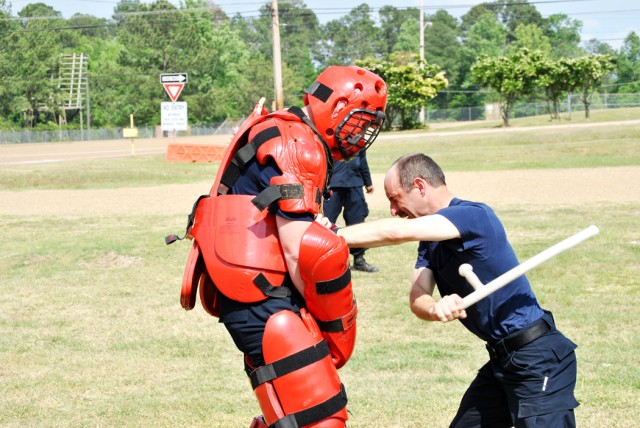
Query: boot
359	263
258	422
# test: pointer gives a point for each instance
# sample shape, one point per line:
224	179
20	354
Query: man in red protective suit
279	281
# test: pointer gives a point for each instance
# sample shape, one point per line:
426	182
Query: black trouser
528	387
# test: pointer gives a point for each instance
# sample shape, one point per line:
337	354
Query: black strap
334	326
297	111
503	347
270	290
267	197
334	285
243	156
315	413
276	192
320	91
526	335
170	239
289	364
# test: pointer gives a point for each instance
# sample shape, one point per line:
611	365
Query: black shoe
359	263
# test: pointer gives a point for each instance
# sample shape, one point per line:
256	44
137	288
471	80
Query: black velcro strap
267	197
289	364
173	237
334	326
243	156
264	136
314	414
276	192
343	323
291	191
229	177
334	285
269	289
320	91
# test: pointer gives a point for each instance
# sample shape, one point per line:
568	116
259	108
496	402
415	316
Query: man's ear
421	184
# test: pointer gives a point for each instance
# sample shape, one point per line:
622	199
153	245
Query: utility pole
277	65
421	116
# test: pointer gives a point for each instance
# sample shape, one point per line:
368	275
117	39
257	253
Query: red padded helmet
346	104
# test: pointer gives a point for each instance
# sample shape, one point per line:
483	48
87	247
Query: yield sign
173	89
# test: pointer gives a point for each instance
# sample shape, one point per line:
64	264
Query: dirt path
538	187
558	187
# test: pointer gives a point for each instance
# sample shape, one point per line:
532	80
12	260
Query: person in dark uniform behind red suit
530	377
347	182
279	281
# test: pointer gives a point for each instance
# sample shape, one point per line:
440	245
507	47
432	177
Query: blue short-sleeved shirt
484	246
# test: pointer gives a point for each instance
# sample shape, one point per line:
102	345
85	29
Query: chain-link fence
568	104
28	136
486	112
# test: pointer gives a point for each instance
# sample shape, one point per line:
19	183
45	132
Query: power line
255	13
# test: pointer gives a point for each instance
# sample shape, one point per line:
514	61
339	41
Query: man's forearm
376	233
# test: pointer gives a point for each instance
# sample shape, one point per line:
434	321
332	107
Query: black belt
503	347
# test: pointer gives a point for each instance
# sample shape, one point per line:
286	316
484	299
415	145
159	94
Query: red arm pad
324	267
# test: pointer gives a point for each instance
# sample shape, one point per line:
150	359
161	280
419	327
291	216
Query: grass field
92	332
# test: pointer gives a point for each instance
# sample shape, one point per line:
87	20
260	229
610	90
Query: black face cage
358	130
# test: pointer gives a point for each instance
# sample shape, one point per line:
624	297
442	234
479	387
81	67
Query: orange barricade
195	152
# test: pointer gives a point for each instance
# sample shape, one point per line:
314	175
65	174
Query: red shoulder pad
300	156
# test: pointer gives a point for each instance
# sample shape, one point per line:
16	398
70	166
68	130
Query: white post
277	65
421	115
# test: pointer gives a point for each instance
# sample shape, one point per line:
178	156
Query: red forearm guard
324	267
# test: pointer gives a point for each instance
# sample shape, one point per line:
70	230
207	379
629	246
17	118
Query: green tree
510	76
555	78
442	43
410	86
587	73
564	35
531	37
352	37
400	29
484	35
513	13
628	65
299	47
299	35
595	46
35	47
148	34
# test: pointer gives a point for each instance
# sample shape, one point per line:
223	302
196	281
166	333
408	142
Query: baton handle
529	264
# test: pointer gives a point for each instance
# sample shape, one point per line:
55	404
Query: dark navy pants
352	203
530	387
245	322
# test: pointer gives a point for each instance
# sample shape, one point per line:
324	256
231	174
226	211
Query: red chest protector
236	247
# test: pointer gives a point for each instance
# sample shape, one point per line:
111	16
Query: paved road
21	154
33	153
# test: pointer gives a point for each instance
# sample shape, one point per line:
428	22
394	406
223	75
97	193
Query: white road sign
173	78
173	116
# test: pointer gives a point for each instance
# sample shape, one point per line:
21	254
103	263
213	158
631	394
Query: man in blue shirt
530	377
347	196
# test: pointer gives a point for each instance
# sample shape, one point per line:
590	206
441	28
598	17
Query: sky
609	21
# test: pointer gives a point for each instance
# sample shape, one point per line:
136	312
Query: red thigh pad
298	380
